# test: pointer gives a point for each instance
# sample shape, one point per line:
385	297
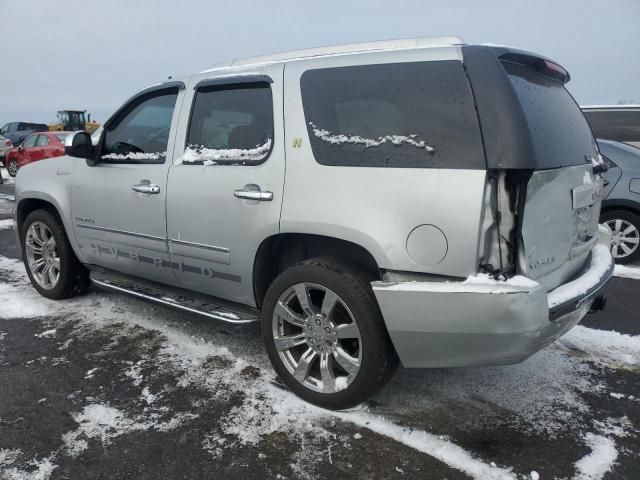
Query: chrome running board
211	307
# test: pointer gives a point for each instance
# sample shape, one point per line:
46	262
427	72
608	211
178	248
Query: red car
38	146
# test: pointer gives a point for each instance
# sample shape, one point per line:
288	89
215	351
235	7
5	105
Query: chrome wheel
317	338
624	237
42	255
12	168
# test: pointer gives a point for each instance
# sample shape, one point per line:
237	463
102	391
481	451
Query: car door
225	190
26	150
38	150
118	204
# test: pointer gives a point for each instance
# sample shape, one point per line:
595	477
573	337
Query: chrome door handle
251	194
146	187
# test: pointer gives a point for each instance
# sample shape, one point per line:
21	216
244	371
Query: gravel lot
107	386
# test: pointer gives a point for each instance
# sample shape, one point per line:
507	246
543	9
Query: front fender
48	181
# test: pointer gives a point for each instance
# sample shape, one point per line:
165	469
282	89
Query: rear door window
231	124
561	136
42	141
417	115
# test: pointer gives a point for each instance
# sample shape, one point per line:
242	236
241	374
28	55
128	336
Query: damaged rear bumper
455	324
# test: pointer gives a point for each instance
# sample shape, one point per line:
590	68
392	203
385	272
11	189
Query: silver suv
420	200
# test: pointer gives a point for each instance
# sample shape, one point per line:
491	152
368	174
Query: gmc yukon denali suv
419	201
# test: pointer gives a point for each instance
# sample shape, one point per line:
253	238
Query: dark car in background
621	206
18	131
38	146
620	123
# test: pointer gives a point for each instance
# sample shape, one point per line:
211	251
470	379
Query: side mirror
78	144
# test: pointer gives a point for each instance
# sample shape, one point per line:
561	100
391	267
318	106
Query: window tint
30	142
231	124
560	133
42	141
417	115
618	125
140	133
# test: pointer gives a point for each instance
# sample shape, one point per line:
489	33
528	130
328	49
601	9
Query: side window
411	115
42	141
140	132
230	124
30	142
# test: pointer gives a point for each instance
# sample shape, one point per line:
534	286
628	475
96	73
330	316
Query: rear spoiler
508	143
540	64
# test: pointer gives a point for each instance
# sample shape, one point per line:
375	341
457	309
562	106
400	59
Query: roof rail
347	48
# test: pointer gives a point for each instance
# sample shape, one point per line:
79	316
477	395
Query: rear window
618	125
62	136
417	115
561	135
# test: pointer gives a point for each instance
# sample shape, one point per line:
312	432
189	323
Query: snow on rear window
327	136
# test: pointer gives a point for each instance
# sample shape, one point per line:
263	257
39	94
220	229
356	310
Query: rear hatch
559	223
535	133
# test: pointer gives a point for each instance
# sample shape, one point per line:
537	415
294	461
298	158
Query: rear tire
52	266
341	354
12	167
625	229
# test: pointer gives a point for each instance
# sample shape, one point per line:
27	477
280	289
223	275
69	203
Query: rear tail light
8	143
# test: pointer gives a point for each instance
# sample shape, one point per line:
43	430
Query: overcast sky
92	54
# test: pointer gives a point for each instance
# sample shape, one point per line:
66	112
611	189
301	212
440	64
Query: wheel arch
620	204
41	201
280	251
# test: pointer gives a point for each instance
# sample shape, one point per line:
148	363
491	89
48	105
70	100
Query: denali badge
542	262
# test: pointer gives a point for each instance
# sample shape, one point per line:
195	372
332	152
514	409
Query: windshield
560	133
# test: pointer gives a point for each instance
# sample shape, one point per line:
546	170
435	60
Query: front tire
325	335
624	227
51	264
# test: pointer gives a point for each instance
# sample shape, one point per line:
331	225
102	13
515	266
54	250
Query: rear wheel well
625	208
281	251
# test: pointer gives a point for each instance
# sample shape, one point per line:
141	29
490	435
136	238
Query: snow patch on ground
626	271
433	445
6	223
36	469
46	334
601	459
605	347
104	423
